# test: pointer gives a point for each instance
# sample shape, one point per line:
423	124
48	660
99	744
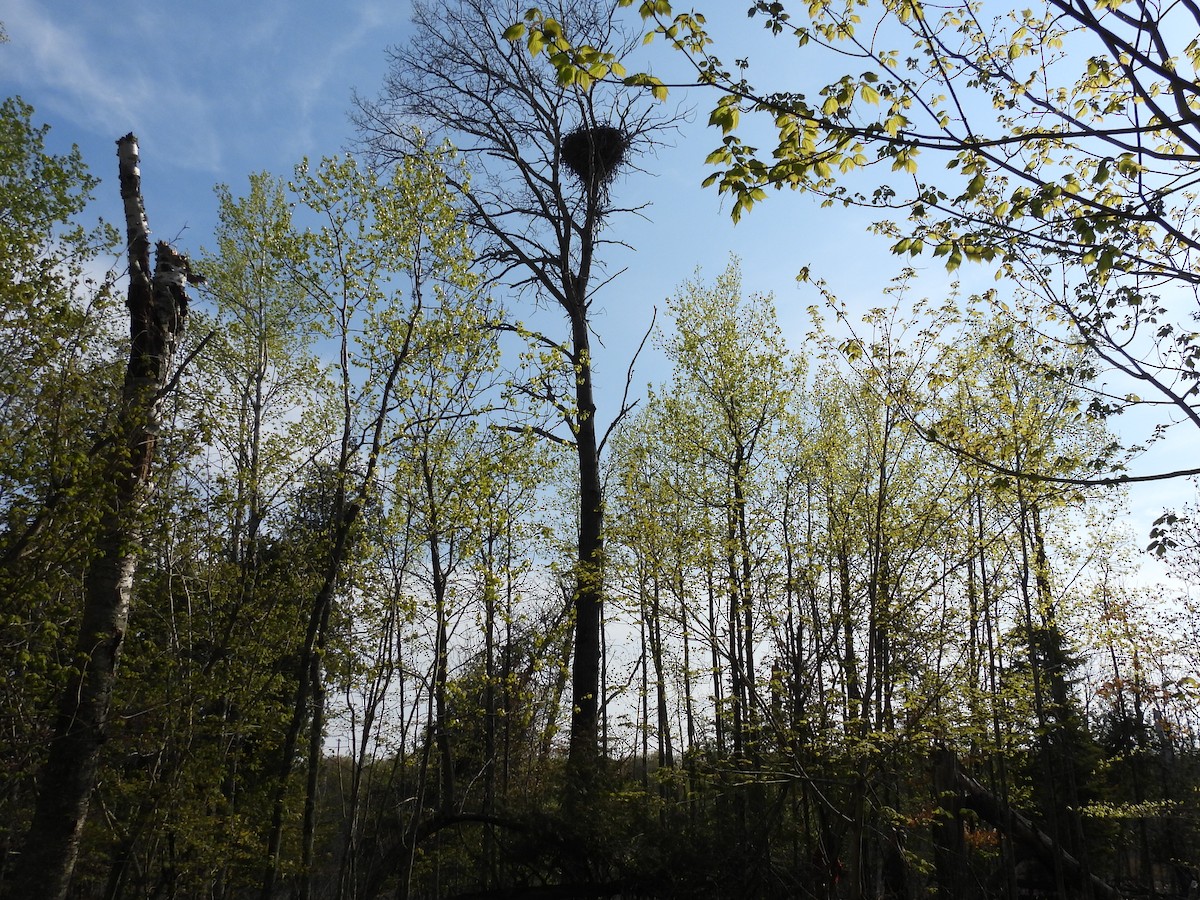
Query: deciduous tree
543	147
1065	136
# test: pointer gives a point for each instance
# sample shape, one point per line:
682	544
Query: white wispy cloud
354	51
108	70
48	51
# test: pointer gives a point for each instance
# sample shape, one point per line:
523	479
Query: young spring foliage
1055	144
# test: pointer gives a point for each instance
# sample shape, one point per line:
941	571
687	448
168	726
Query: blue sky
216	90
213	90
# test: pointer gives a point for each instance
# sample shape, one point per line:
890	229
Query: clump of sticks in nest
594	153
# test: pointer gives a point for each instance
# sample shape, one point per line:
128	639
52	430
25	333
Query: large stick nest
595	153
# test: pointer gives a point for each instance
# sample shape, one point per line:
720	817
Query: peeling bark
157	312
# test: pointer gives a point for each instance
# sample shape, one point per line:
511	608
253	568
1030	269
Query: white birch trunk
157	310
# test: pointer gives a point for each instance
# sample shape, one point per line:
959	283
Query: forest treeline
850	615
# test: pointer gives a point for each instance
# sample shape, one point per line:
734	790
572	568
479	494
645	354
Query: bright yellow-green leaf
724	117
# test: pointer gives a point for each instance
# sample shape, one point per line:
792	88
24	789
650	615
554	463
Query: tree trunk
584	748
157	311
949	847
316	734
666	746
308	699
1045	847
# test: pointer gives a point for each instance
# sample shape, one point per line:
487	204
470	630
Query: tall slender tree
542	150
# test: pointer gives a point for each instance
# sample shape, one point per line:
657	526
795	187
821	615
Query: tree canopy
352	590
1057	144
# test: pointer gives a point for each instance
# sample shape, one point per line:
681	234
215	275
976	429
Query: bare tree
157	313
541	156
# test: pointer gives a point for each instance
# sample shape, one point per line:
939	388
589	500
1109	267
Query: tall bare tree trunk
584	748
157	311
